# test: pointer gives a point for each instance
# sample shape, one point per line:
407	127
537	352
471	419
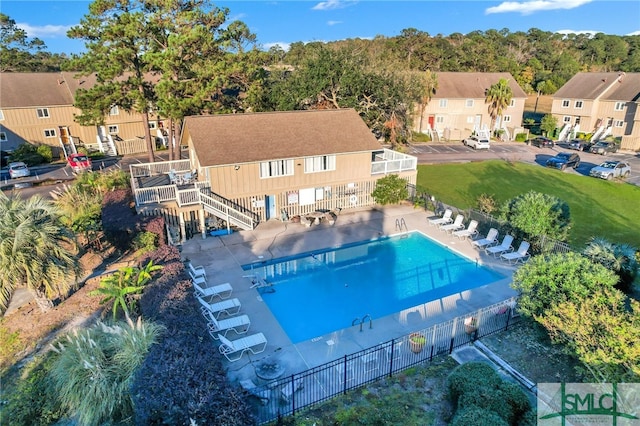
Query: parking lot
457	152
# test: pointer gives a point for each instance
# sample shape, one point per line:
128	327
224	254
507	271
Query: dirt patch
528	349
36	329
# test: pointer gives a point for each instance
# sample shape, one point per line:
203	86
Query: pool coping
223	257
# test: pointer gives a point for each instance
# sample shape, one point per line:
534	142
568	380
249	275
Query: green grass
598	207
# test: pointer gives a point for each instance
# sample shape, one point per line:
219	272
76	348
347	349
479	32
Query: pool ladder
362	321
400	223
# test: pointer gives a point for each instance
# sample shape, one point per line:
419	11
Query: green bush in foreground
481	396
391	189
93	371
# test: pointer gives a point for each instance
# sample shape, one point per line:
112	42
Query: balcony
388	161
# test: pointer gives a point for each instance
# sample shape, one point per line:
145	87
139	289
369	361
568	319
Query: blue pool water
319	292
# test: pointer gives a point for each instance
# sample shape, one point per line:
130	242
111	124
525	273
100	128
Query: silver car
611	169
476	142
18	169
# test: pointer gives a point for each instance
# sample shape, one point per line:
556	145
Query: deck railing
393	162
293	393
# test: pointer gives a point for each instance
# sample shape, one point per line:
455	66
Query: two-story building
276	165
38	108
601	104
458	107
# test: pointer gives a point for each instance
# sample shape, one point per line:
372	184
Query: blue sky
285	22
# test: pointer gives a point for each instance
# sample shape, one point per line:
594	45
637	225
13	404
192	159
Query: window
512	103
1	115
439	119
3	137
470	119
618	123
50	133
469	103
578	105
114	110
565	103
153	125
276	168
506	119
43	112
113	129
566	119
319	164
443	103
619	106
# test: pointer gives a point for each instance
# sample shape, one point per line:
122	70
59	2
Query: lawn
598	207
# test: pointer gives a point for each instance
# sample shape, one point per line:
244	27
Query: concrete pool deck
223	257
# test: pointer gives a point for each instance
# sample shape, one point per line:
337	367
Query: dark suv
541	142
603	148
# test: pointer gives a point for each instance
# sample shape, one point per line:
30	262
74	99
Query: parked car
541	142
563	160
603	148
18	169
476	142
79	163
579	145
611	169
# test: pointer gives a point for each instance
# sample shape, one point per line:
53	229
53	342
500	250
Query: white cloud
333	4
529	7
49	31
634	33
283	45
332	23
591	33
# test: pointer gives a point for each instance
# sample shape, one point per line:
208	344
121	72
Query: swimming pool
319	292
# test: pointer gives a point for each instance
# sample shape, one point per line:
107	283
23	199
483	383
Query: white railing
155	194
159	168
393	162
223	211
188	196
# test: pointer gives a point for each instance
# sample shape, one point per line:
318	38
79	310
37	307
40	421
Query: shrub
93	371
182	378
476	416
119	220
521	137
533	215
467	377
486	203
390	189
420	137
33	401
45	152
145	242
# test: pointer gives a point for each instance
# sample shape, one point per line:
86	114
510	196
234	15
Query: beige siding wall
229	182
461	119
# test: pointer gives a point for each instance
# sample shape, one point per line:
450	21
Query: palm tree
430	86
34	250
619	258
498	96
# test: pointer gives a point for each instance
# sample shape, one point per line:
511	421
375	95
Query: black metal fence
287	396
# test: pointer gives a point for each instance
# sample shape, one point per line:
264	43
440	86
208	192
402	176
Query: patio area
223	256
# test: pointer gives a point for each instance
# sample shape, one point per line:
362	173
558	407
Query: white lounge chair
197	271
255	344
239	324
504	247
290	389
262	394
488	241
229	307
197	279
521	255
455	226
223	291
472	229
445	219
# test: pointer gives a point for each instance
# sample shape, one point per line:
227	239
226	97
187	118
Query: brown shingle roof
243	138
21	90
590	85
472	85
